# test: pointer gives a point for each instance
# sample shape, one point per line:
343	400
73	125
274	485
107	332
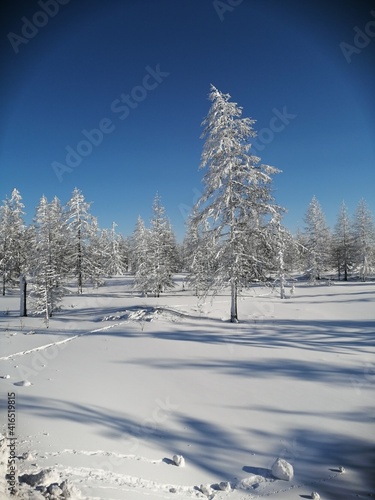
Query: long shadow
264	368
339	336
354	454
214	446
317	456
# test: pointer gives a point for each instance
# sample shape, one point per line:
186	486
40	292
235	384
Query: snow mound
206	489
178	460
315	495
23	383
47	485
54	490
225	486
250	482
147	314
282	469
42	478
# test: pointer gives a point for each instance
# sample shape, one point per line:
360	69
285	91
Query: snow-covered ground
119	384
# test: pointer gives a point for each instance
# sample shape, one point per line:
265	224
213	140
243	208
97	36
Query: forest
234	234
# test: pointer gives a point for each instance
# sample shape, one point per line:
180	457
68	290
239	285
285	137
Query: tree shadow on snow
206	445
256	369
212	448
329	335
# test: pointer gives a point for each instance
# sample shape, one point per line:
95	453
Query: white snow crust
110	402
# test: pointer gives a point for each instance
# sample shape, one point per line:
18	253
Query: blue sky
276	59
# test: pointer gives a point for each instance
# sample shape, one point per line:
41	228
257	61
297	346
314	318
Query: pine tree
198	258
237	197
278	242
162	251
12	244
317	240
115	262
342	243
299	252
81	230
139	259
47	261
96	249
124	250
364	239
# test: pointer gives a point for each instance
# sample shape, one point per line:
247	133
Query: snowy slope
121	383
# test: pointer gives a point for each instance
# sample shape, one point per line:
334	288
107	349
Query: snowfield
129	397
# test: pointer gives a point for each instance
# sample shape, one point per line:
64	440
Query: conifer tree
162	251
12	244
97	253
342	243
115	262
139	259
198	258
278	242
47	266
317	240
237	198
81	230
364	239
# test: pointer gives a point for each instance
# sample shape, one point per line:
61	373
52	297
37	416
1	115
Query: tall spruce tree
139	255
364	239
237	197
162	251
115	262
47	263
81	229
317	240
198	257
12	244
342	243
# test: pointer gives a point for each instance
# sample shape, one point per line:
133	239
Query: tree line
234	235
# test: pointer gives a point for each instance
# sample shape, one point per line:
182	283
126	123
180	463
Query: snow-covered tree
153	253
364	239
12	243
162	251
81	230
199	259
139	250
47	263
297	252
279	241
237	197
124	250
112	245
342	243
317	240
140	256
97	253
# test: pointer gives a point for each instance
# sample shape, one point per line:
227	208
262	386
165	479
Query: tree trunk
79	262
47	306
281	274
4	283
233	308
23	286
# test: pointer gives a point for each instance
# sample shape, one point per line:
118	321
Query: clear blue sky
269	55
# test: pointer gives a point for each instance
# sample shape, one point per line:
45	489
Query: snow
179	460
282	469
112	402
